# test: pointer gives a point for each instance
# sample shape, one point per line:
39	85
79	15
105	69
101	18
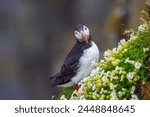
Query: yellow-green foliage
116	75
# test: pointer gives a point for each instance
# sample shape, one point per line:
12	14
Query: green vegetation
115	76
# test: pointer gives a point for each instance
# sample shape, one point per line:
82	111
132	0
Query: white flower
122	41
131	35
80	89
106	53
63	97
102	61
112	86
93	87
97	69
137	65
89	84
127	59
130	75
82	98
141	27
94	93
120	93
104	79
74	93
82	81
113	95
102	89
114	49
120	71
134	97
102	72
107	74
117	68
94	71
107	59
111	77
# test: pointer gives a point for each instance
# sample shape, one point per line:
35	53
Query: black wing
70	67
55	75
71	64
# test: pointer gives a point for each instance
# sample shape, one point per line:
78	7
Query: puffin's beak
85	38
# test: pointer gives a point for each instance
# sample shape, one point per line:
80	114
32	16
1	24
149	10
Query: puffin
77	64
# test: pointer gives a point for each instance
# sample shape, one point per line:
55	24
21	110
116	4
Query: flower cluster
116	75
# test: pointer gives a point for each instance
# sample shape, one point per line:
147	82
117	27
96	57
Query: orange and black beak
85	38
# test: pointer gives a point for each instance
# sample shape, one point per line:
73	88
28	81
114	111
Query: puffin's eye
85	28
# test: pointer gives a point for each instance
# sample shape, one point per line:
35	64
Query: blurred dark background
36	35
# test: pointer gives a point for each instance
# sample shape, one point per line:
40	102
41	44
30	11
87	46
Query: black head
82	33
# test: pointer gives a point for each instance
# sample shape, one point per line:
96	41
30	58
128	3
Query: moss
67	91
115	76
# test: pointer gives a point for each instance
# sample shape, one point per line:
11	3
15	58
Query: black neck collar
84	44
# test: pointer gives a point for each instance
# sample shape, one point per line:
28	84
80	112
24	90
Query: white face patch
86	31
78	35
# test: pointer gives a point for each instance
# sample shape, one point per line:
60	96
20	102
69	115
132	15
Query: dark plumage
71	64
78	59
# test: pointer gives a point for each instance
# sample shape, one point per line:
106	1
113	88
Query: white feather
85	69
89	55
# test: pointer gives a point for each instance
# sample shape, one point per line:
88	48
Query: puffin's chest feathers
90	53
85	68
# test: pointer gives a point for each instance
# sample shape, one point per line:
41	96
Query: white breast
85	69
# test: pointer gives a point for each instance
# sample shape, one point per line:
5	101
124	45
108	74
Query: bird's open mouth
85	38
